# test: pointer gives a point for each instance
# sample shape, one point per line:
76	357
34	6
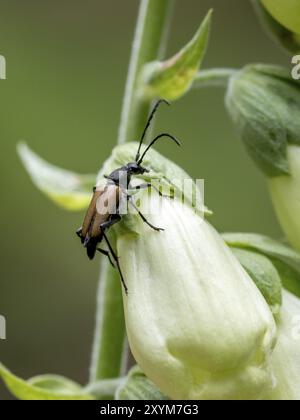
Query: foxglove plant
208	321
189	300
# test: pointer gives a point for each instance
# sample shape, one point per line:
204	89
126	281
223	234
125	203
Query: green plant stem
148	45
110	326
213	77
108	348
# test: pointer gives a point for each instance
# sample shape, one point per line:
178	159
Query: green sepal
264	275
172	78
285	259
138	387
46	387
67	189
264	104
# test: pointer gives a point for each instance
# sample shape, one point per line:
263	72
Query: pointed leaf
172	78
67	189
47	387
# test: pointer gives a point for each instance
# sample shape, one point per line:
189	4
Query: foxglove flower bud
281	19
197	325
285	359
285	193
264	103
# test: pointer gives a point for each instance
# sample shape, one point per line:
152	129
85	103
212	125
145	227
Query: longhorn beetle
103	211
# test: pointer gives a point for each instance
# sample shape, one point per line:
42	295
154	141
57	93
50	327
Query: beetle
104	209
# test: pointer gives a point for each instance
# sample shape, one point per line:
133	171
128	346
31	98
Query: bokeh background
66	69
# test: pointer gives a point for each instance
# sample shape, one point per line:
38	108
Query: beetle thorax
122	176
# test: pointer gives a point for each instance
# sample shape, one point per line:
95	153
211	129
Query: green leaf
138	387
284	258
173	78
67	189
46	387
264	275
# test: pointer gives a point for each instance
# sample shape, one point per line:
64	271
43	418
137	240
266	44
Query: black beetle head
135	169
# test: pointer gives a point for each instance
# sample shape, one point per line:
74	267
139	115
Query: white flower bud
264	103
285	359
197	325
285	192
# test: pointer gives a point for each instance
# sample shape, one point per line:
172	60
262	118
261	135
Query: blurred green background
66	69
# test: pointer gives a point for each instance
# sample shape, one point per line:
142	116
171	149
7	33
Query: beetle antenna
155	140
161	101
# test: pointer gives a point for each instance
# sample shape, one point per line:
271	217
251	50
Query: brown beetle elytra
103	205
103	211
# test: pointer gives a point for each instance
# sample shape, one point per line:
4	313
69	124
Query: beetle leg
116	258
114	219
107	254
144	218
